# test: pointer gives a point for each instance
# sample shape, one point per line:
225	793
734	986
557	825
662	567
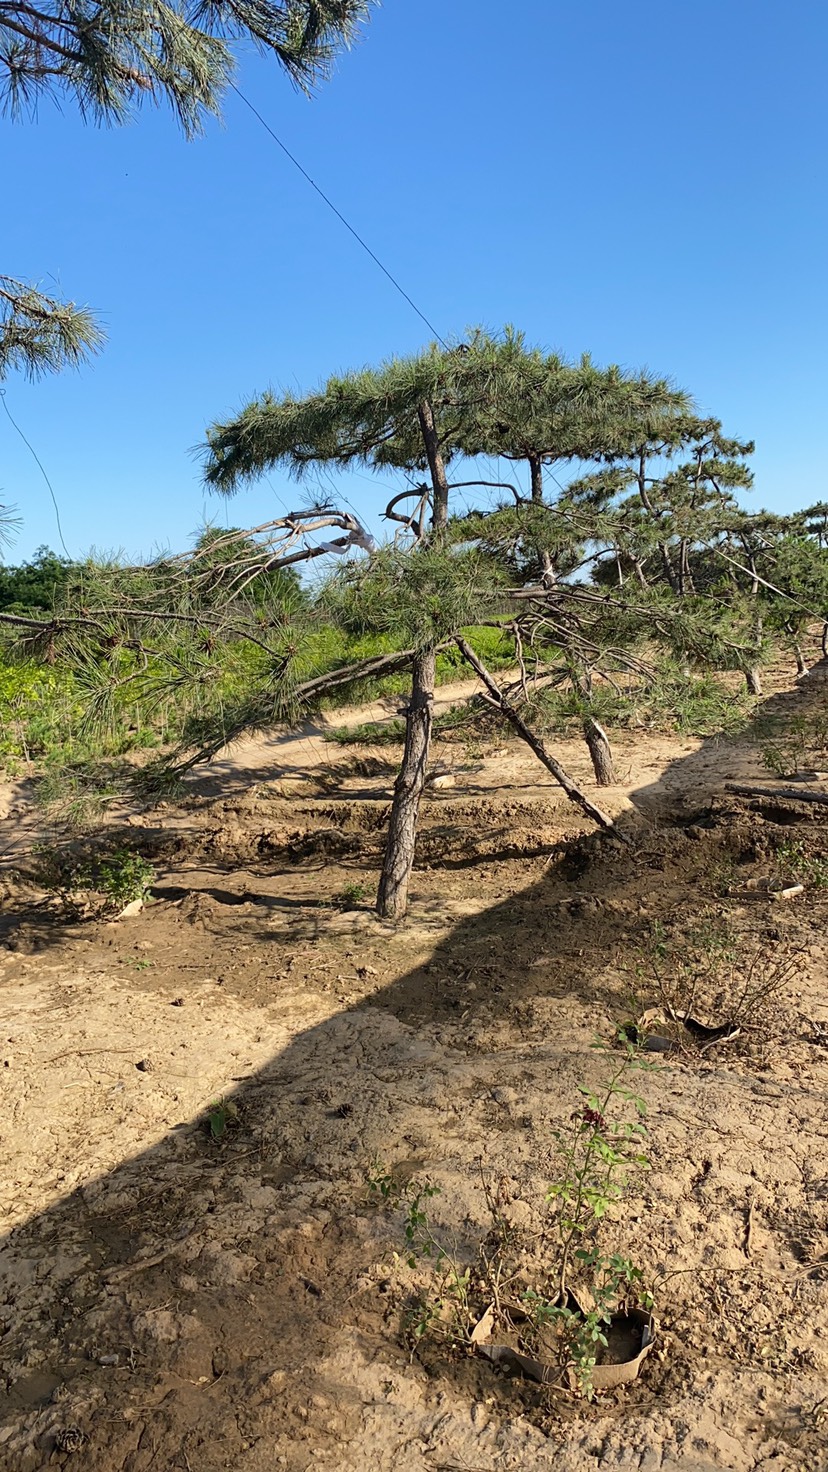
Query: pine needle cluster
39	334
109	56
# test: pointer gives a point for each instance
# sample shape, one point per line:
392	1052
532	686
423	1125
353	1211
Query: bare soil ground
169	1301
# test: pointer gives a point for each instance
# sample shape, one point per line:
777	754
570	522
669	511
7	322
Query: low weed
221	1114
382	1185
444	1308
369	733
710	972
352	895
795	745
124	877
795	863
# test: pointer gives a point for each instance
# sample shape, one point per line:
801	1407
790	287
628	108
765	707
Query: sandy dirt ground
170	1301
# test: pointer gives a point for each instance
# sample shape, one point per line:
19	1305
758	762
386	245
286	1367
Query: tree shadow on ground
184	1309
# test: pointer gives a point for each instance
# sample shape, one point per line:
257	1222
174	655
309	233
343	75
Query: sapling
597	1156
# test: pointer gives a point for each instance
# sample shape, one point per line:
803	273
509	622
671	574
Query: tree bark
436	465
801	665
561	776
753	680
392	899
398	861
600	751
536	473
595	736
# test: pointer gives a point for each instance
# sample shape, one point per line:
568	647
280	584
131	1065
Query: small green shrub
707	970
124	877
120	877
352	895
615	1281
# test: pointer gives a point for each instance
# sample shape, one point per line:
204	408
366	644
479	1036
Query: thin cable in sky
329	202
39	464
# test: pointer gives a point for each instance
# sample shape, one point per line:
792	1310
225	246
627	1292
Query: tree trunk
595	736
536	473
753	675
644	497
436	465
561	776
669	570
392	899
600	751
801	666
398	861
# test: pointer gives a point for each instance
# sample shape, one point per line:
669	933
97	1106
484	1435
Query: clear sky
646	181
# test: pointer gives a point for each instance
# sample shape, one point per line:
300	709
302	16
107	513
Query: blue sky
644	181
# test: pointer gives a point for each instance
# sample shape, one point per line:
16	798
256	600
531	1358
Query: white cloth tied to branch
357	537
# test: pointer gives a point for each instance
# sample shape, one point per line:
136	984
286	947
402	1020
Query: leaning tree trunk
392	899
562	777
600	751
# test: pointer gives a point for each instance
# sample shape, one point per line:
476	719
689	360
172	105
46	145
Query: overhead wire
339	215
39	463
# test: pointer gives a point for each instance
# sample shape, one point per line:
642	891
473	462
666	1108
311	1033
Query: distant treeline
34	586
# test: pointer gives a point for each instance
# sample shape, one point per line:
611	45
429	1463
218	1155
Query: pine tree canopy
114	54
491	395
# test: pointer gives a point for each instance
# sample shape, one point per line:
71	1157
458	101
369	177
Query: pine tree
490	395
644	564
407	414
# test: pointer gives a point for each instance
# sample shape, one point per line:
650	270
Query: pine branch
39	334
112	54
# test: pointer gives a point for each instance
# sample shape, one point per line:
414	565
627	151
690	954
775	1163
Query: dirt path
183	1303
